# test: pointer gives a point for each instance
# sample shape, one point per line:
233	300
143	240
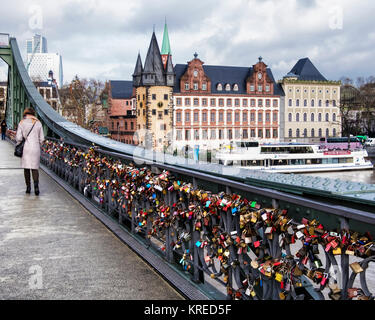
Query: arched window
297	133
313	132
227	87
297	117
305	132
334	103
334	132
320	132
219	87
327	133
305	117
290	133
312	117
290	119
305	103
327	103
313	103
235	87
327	117
334	117
319	117
320	103
297	103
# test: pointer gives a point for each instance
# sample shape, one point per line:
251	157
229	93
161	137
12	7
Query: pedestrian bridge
229	233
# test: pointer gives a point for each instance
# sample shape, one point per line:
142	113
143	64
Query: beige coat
31	151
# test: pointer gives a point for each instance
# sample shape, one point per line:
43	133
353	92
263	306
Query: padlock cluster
229	228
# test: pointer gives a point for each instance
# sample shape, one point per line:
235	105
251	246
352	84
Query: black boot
28	188
36	188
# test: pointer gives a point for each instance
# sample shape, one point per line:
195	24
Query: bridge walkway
51	247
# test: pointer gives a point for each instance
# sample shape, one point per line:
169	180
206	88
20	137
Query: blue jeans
3	136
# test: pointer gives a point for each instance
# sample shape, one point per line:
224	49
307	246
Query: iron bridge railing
225	233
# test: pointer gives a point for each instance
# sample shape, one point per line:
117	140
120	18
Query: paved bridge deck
53	248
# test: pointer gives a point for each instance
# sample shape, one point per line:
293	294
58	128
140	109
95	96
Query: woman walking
30	129
3	129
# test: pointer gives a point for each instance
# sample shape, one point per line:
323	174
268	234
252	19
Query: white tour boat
292	158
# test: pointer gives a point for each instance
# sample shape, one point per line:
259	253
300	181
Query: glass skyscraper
37	43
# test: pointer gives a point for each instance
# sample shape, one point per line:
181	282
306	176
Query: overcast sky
101	39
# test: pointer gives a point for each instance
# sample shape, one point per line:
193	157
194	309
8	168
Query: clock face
259	75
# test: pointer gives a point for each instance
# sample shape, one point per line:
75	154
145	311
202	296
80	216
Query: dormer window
186	86
204	86
252	88
219	87
235	87
195	86
227	87
268	88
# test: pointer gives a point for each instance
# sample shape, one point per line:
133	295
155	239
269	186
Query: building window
334	103
126	126
297	133
297	117
213	117
221	102
313	103
275	103
165	97
319	117
290	102
221	134
305	103
252	116
305	132
187	87
196	134
160	115
204	116
153	96
260	117
245	134
274	133
213	134
163	127
237	134
252	88
196	116
227	87
305	117
178	135
221	116
268	88
334	132
187	134
313	132
320	103
252	133
268	133
268	103
290	133
187	116
252	102
312	117
204	86
268	117
334	117
178	101
237	102
196	101
260	133
244	116
229	102
229	117
260	88
237	117
235	87
320	133
260	103
204	134
327	132
275	117
187	101
195	86
297	103
219	87
290	119
244	102
327	117
230	134
165	112
327	103
213	102
154	112
204	102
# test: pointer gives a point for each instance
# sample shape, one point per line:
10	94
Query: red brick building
121	115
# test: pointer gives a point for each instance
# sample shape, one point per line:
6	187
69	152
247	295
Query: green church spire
166	47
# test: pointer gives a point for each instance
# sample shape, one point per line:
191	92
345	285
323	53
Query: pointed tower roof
166	47
153	62
305	70
138	66
169	68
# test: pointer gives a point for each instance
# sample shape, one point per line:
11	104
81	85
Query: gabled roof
306	71
224	75
121	89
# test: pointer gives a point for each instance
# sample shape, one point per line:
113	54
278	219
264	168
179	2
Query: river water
365	176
